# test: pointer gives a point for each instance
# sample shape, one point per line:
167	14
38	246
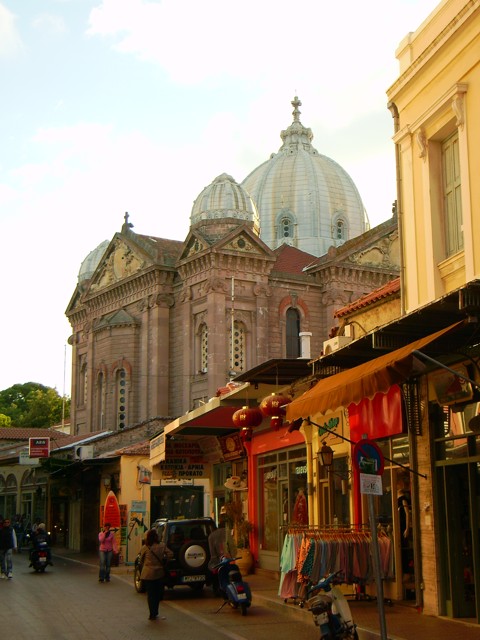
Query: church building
159	325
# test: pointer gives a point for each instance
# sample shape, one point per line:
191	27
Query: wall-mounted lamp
107	481
325	456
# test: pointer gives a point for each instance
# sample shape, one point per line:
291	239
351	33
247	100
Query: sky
137	105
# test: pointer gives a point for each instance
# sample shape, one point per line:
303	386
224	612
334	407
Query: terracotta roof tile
389	289
24	433
291	260
139	449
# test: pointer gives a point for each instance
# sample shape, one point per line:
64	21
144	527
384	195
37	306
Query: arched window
285	227
204	348
293	333
340	229
82	382
100	401
121	397
237	347
286	230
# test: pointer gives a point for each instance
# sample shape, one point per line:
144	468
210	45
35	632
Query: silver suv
188	539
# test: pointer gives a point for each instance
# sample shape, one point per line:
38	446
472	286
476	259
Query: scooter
330	610
236	592
40	556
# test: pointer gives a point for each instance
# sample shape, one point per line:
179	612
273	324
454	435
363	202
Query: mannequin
300	509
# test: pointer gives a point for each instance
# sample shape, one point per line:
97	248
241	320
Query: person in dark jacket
153	555
41	541
8	544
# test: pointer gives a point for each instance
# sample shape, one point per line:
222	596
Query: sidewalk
402	622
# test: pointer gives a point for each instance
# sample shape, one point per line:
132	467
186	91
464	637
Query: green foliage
33	405
5	421
241	526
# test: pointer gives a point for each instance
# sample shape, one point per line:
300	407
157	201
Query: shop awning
363	381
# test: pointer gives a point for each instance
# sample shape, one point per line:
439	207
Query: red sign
39	447
368	458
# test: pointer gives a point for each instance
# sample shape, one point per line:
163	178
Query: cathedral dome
304	198
224	199
91	262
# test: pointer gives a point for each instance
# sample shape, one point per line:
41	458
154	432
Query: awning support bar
398	464
444	366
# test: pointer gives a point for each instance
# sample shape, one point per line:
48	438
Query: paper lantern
247	417
274	405
276	422
246	434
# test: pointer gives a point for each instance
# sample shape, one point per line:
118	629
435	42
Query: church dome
224	199
303	198
91	262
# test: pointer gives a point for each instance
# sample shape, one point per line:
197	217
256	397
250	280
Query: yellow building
435	106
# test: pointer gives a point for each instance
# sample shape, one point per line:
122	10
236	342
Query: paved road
67	602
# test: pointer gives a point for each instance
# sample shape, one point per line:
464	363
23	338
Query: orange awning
363	381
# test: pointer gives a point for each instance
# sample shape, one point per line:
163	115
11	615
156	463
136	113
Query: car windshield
178	532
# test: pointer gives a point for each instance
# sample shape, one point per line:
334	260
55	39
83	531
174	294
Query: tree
5	421
33	405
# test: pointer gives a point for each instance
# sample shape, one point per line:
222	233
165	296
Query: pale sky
137	105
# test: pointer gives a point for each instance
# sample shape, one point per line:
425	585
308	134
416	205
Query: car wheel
194	556
137	581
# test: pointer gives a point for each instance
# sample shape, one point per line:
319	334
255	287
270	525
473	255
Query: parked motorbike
236	592
330	610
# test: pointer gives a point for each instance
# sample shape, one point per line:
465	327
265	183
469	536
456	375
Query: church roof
291	260
224	198
304	198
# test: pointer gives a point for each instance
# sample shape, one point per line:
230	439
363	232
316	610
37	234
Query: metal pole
376	569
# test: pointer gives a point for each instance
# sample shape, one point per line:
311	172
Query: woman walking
153	554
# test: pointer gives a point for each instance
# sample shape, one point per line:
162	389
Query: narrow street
67	602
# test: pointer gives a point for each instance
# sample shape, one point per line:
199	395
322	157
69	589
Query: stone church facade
159	325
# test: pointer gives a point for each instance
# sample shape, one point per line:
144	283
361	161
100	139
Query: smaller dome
224	198
91	262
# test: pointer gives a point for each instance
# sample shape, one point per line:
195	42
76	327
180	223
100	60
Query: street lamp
325	456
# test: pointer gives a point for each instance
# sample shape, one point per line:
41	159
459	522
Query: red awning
363	381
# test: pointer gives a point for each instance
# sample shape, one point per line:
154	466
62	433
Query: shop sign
24	458
232	447
139	506
39	447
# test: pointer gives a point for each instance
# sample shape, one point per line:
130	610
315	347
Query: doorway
459	505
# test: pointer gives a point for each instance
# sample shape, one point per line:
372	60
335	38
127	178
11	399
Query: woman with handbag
153	555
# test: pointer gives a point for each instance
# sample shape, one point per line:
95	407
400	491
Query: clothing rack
310	552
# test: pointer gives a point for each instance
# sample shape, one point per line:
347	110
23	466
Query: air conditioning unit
335	343
84	452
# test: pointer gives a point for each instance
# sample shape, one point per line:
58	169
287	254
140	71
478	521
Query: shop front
413	509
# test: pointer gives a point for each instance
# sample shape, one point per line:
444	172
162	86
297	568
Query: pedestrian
8	544
108	546
153	556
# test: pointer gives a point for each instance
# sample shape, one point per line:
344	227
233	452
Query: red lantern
274	405
247	417
276	422
246	434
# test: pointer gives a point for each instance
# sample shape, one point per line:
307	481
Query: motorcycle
330	610
236	592
40	556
